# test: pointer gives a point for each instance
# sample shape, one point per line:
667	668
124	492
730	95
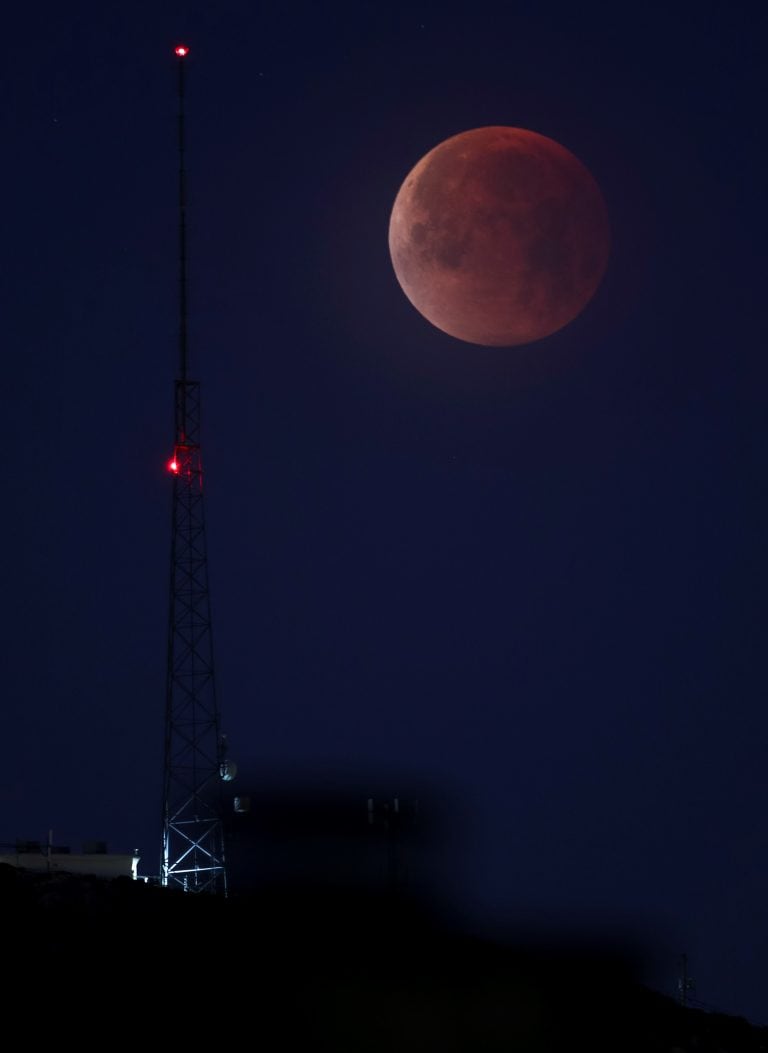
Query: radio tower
195	754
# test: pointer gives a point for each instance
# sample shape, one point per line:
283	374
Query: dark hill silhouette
310	968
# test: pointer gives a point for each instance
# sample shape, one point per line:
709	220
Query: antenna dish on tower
227	770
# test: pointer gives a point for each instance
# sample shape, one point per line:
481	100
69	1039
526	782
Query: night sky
523	585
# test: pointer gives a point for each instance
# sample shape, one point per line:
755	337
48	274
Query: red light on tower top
182	50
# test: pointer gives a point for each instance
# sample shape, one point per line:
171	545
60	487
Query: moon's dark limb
499	236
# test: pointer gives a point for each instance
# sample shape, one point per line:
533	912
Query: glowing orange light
181	50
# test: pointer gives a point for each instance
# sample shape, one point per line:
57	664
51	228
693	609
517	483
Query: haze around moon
499	236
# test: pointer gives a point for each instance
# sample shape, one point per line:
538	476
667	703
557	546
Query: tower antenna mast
195	761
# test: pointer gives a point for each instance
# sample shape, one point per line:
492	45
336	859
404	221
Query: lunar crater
499	236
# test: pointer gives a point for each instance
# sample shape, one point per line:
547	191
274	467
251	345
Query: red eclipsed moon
499	236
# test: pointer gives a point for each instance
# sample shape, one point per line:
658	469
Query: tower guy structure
195	763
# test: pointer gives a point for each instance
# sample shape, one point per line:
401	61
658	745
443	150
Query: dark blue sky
529	579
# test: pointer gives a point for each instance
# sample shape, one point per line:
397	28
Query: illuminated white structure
46	859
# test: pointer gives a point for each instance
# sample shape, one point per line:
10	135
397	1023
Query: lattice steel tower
195	758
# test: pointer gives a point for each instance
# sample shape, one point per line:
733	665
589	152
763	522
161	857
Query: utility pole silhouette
393	818
684	982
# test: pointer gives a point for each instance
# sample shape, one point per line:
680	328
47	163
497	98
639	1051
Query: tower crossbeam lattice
195	762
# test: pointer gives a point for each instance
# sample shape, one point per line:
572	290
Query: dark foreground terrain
310	969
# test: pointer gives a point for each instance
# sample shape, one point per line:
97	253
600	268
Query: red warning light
181	50
173	465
